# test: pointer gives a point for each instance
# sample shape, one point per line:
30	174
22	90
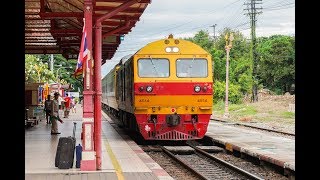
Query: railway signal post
228	47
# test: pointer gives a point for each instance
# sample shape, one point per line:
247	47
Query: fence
291	108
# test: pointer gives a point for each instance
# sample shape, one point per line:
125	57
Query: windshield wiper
154	67
190	67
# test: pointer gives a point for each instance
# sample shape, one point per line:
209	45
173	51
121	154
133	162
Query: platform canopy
55	26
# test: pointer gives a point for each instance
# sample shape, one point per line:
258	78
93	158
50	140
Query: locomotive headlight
197	88
168	49
172	49
175	49
149	89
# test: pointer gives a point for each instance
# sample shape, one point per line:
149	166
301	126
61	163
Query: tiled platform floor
121	158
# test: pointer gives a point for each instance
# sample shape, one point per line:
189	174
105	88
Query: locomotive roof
159	46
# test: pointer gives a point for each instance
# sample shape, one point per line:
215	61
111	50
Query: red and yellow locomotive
164	91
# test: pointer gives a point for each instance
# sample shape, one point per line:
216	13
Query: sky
184	18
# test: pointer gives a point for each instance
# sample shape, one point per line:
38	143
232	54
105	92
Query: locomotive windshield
153	67
192	67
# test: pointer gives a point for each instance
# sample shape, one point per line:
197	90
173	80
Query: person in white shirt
61	101
54	116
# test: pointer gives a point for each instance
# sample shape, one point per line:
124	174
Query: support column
97	83
97	76
88	162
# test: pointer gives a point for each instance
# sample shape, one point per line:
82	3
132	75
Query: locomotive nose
173	119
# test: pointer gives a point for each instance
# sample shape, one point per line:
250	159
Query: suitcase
65	151
78	155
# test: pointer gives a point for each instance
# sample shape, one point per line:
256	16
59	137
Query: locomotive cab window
194	68
153	67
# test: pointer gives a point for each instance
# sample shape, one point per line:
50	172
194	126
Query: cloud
184	18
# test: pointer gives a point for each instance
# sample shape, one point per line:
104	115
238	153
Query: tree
63	72
276	68
202	39
36	70
240	70
240	65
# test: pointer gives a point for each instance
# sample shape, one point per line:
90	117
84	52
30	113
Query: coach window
153	67
194	68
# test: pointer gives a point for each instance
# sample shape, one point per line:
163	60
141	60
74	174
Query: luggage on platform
65	151
78	155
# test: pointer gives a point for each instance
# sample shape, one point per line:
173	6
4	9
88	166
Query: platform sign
109	40
40	90
74	94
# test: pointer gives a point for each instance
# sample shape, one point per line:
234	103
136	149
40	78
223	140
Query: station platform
122	158
269	148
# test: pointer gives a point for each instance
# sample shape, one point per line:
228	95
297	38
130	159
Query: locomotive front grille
173	135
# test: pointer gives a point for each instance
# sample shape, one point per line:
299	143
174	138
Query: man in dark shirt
47	108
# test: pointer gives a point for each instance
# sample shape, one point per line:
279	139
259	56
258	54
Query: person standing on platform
73	105
61	105
61	102
55	114
47	108
67	102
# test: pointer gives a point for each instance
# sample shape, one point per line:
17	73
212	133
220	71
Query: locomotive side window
194	68
153	67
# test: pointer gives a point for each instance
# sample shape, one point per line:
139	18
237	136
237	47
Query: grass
271	111
245	111
235	109
264	112
288	115
218	107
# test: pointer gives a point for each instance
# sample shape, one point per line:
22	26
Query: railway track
254	127
206	166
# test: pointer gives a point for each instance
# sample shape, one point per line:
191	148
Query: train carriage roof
55	26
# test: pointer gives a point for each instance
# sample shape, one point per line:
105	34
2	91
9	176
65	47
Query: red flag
84	54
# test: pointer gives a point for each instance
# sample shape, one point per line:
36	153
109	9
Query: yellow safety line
114	161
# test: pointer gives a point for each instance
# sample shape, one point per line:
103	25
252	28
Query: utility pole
252	12
51	63
228	47
214	32
214	40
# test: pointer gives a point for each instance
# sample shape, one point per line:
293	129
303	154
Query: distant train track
254	127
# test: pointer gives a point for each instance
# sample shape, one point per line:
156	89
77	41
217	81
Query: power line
194	28
281	3
231	19
234	19
175	26
273	9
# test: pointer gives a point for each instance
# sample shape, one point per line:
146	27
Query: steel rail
182	163
224	163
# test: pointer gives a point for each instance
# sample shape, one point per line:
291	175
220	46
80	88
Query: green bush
234	96
218	105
